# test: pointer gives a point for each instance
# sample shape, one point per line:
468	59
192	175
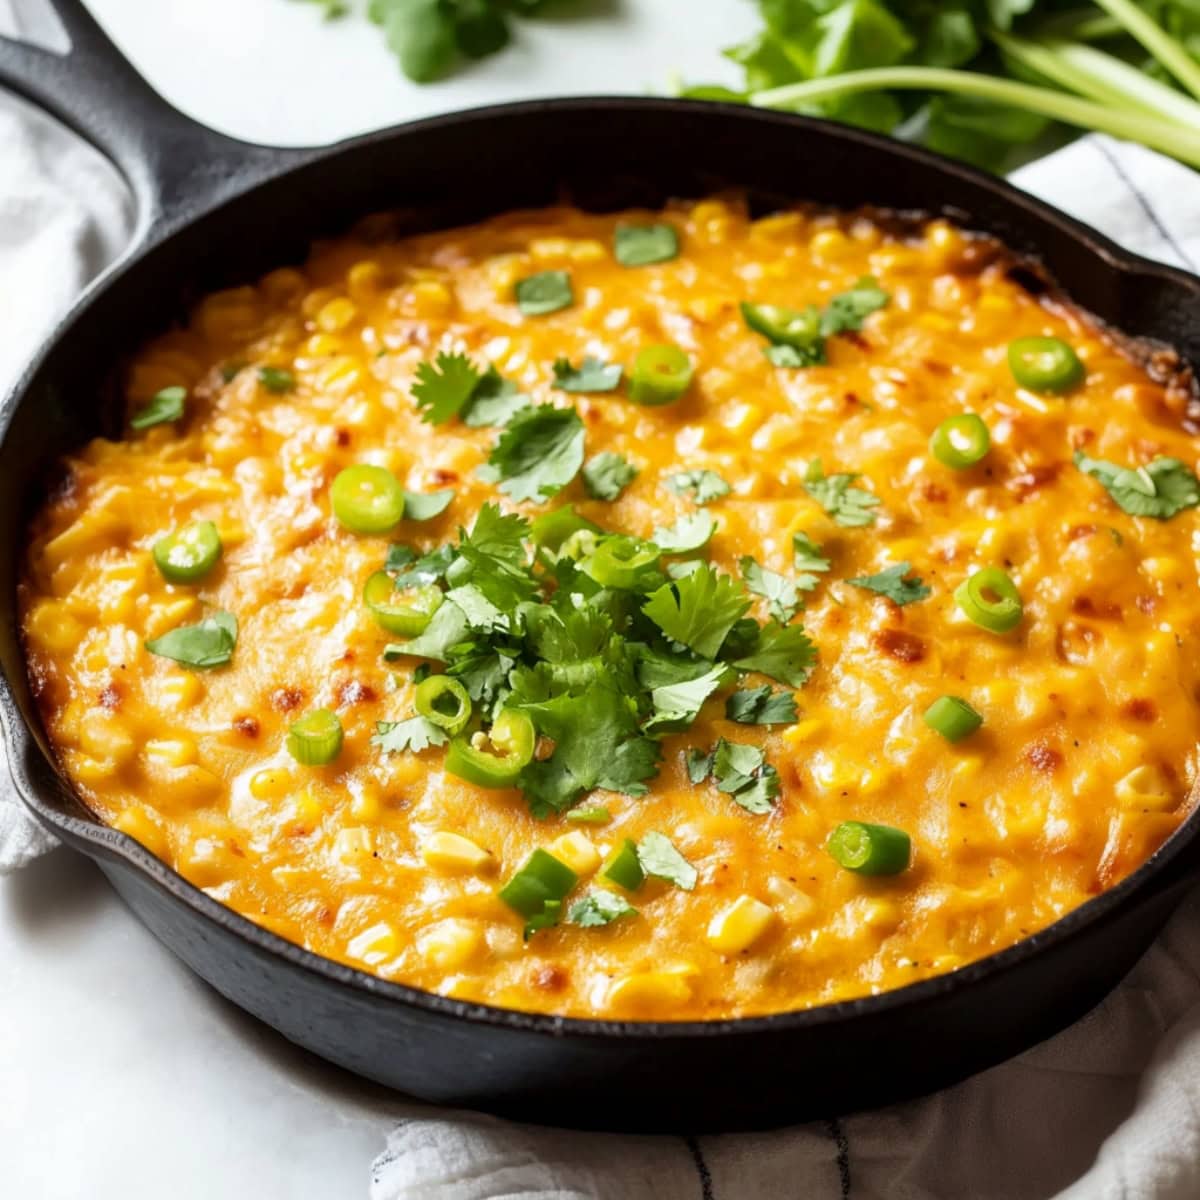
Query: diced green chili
444	702
495	758
619	561
1044	364
953	718
367	499
623	867
870	849
189	553
406	613
537	890
960	441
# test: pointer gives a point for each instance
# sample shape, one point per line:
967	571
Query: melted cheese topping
1082	768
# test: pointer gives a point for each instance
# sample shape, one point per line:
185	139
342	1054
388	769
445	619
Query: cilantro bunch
604	645
979	79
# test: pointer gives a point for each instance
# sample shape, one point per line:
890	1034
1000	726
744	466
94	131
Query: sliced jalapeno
406	613
445	702
496	758
189	553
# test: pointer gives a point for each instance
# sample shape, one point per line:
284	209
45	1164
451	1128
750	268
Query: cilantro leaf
761	706
415	734
1160	489
697	611
480	612
494	401
660	859
699	765
538	454
483	670
690	533
676	705
700	485
446	628
592	375
607	475
599	907
848	310
166	405
424	506
545	292
641	245
492	559
784	652
780	592
656	669
277	380
409	571
893	584
743	773
444	386
807	558
846	504
794	334
209	644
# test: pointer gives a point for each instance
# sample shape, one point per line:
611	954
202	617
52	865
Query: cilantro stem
1157	40
1173	139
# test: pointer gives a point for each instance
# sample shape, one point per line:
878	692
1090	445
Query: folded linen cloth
1109	1110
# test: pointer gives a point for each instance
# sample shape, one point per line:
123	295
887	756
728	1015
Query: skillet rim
101	841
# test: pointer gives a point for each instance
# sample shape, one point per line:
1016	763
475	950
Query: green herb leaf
847	311
660	859
607	475
209	644
409	571
699	765
807	558
676	705
893	584
420	33
592	375
494	402
538	454
424	506
640	245
690	533
702	486
783	652
415	734
846	504
780	592
761	706
166	405
698	611
743	773
277	380
1160	489
444	386
447	628
600	907
545	292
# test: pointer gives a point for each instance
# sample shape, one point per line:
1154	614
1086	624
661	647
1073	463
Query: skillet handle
175	167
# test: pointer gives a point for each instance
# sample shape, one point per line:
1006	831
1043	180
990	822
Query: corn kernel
431	299
451	943
142	827
1144	787
452	852
270	784
364	278
188	786
576	850
374	945
351	844
169	614
793	903
51	627
829	243
285	284
367	804
103	736
173	752
740	925
654	990
337	315
206	861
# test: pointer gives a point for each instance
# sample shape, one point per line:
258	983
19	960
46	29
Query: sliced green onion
619	561
543	879
597	815
316	738
1044	364
189	553
660	374
444	702
496	758
991	600
870	849
407	613
953	718
367	499
960	441
624	867
549	531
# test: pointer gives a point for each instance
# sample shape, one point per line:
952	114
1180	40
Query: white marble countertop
123	1075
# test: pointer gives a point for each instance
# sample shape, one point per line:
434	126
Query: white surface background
124	1076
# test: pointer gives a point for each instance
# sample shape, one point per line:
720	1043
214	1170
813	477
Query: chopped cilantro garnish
415	734
676	705
591	375
846	504
783	652
538	454
699	764
741	772
278	380
545	292
423	506
690	533
641	245
780	592
447	628
1160	489
893	584
166	406
494	402
761	706
660	859
847	311
600	907
807	558
701	485
698	611
444	386
607	475
409	571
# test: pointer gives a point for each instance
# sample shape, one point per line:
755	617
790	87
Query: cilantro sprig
895	583
1160	489
836	494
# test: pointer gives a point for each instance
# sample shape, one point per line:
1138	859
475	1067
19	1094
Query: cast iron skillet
213	211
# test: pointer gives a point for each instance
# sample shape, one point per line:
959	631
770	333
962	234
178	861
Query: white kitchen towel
1109	1110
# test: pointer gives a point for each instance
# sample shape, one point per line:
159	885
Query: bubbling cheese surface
1085	760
